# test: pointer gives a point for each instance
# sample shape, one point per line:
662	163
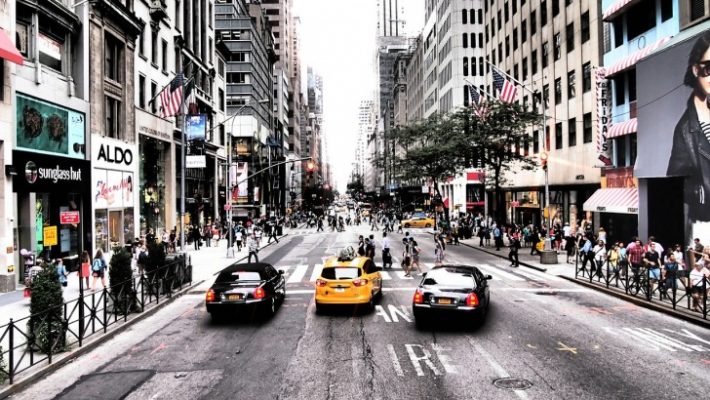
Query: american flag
171	96
475	97
507	90
478	103
190	105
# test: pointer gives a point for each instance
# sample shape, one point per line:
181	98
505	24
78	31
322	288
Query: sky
338	41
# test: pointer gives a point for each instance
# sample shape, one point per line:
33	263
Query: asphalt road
550	338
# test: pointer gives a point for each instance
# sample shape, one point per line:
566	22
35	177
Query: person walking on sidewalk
320	225
207	234
587	254
361	246
406	263
699	281
514	247
634	253
497	237
98	268
253	245
238	238
599	257
272	234
439	248
61	272
370	247
386	255
196	237
415	250
85	268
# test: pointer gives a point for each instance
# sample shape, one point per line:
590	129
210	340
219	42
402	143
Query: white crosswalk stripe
298	274
385	275
400	274
317	269
538	276
498	274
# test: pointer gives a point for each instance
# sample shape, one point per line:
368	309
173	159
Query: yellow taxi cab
418	222
348	279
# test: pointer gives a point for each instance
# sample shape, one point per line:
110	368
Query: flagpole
544	143
182	173
479	90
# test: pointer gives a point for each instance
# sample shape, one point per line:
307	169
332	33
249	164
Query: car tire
406	225
427	226
269	309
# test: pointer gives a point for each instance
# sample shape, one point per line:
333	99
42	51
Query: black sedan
451	290
258	286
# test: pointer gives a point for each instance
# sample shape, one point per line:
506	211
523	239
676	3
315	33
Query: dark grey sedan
451	290
256	286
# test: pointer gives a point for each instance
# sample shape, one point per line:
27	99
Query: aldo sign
112	154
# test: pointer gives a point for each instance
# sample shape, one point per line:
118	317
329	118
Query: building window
165	56
236	77
619	89
571	132
506	11
507	46
640	18
666	10
500	52
587	128
525	68
523	32
586	77
153	94
536	142
480	16
473	66
51	51
546	95
533	62
515	39
558	46
570	37
113	58
500	21
480	66
154	47
465	66
558	135
543	13
480	40
515	71
113	117
558	90
585	27
141	43
571	92
178	26
555	7
464	16
545	54
533	23
464	37
141	91
473	40
515	6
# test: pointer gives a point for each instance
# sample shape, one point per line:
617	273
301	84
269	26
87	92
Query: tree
4	371
492	141
46	328
427	150
121	278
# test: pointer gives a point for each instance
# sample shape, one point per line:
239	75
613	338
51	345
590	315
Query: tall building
311	144
366	123
390	18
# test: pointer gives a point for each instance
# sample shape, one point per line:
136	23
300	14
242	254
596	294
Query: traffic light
543	160
310	167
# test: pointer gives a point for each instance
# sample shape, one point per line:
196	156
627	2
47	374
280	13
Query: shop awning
8	50
623	128
615	9
614	200
630	61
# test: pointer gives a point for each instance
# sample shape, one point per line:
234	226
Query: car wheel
406	225
270	309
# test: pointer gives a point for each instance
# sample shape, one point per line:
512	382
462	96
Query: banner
603	116
113	189
195	131
242	173
46	128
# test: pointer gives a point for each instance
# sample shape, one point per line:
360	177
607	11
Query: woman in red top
85	268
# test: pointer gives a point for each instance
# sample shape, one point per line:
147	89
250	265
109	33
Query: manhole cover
512	383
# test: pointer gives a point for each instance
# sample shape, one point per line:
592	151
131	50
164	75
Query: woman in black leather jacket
690	156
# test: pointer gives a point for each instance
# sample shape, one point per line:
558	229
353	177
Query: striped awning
623	128
616	8
630	61
614	200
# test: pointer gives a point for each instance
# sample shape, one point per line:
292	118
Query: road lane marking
395	361
385	275
425	357
317	269
499	370
298	274
401	274
495	272
537	276
444	359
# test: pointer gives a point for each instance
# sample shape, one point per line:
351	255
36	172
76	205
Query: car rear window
340	273
444	278
239	276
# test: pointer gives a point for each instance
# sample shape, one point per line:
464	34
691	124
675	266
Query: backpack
97	265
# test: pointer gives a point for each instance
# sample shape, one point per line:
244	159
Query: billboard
673	111
113	189
196	128
46	128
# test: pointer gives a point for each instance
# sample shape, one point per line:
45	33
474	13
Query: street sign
49	233
69	217
227	207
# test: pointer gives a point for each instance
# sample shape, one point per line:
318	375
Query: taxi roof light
346	254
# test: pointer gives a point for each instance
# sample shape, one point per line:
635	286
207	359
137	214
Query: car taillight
360	282
418	297
320	282
209	297
472	300
259	293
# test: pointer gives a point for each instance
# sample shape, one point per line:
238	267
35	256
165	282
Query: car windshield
340	273
447	278
238	276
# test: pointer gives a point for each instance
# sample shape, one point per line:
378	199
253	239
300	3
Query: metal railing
38	337
672	288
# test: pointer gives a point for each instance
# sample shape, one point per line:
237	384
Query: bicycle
639	281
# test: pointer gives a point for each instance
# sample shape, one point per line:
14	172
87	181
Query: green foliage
156	257
45	324
121	278
4	371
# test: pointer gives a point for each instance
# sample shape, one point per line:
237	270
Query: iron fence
672	288
38	337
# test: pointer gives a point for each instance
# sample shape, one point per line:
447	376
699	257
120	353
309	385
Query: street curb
642	303
91	345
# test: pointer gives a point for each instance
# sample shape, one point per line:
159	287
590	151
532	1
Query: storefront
115	165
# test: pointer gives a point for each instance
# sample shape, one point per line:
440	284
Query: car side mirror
488	277
281	272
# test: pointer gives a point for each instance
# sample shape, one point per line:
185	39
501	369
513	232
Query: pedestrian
652	261
699	282
61	272
253	245
216	235
238	238
98	269
587	254
669	275
370	247
320	225
361	246
272	234
514	247
599	257
85	268
406	259
142	258
439	249
497	237
613	257
197	237
386	255
634	254
415	250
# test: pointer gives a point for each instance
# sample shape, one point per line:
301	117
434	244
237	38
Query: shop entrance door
115	228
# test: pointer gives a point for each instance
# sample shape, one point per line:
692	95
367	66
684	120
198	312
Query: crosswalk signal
543	160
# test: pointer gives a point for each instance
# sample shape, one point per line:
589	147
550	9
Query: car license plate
339	290
234	297
443	301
